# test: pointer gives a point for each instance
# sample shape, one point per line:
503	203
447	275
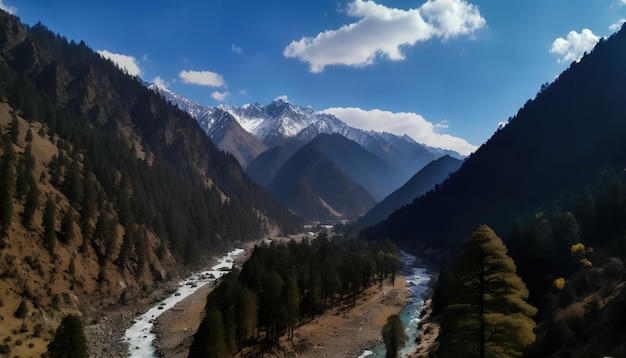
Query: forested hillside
555	145
433	174
551	183
106	188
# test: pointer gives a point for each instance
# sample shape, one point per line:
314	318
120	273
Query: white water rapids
140	335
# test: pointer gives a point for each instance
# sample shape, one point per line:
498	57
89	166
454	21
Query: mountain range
265	137
107	191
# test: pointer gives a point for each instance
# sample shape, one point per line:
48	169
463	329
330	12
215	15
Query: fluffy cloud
283	98
161	83
202	78
124	62
618	25
411	124
384	31
574	46
10	9
220	96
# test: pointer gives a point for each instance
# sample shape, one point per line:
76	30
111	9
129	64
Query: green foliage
69	340
394	336
7	185
280	286
49	225
125	135
488	315
27	186
67	233
211	342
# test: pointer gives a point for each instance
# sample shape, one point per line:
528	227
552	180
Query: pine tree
49	225
67	226
248	311
69	340
31	203
7	185
72	183
488	315
209	340
394	336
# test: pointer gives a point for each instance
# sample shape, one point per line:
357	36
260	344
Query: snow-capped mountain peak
281	120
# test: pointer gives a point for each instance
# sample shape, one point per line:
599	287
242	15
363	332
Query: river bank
336	333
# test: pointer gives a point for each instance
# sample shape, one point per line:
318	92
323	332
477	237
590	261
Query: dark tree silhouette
69	340
394	336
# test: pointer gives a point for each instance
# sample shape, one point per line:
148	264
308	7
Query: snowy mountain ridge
279	120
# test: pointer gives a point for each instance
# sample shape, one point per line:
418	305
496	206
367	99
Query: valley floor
345	333
336	333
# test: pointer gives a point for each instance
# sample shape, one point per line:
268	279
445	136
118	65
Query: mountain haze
312	183
426	179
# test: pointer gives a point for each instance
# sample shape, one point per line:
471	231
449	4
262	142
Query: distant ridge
426	179
312	184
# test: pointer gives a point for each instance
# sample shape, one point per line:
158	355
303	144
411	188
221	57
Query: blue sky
446	72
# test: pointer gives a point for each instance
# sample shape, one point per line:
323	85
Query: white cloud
452	17
383	31
220	96
124	62
236	49
10	9
202	78
161	83
574	47
283	98
618	25
411	124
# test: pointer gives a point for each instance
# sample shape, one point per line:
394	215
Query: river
417	276
140	335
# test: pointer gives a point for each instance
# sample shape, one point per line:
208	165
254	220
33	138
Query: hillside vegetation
106	189
552	184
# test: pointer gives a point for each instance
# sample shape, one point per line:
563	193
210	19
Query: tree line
554	251
284	285
114	163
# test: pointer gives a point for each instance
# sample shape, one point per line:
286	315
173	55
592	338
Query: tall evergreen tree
67	226
394	336
248	311
49	225
210	342
488	315
69	340
7	184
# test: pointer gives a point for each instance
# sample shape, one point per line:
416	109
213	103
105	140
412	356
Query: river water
417	276
140	336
